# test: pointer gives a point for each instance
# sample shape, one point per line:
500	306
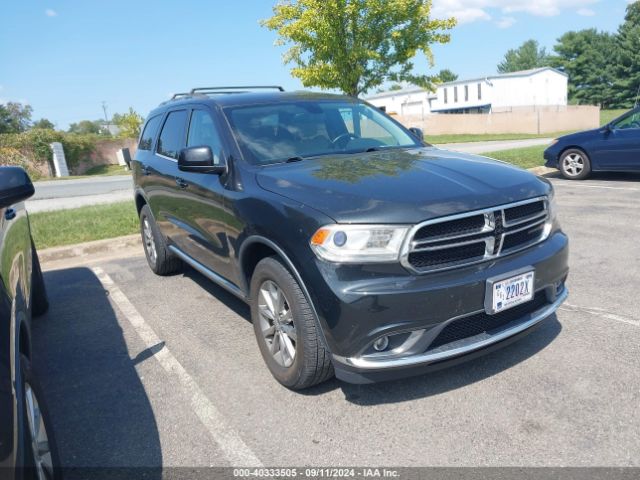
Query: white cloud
50	13
586	12
505	22
472	10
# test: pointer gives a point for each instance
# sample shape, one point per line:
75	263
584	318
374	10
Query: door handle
9	214
181	182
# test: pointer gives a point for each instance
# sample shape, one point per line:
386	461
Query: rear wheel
159	258
41	460
286	329
575	164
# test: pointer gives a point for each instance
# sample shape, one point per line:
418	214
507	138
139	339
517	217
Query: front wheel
575	164
286	329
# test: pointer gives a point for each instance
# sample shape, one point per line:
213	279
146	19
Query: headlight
553	207
359	243
553	211
553	142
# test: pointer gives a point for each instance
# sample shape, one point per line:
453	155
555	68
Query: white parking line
233	447
599	312
568	183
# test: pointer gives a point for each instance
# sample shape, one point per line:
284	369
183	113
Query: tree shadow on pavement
100	412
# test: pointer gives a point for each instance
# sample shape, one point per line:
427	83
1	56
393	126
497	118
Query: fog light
381	344
559	287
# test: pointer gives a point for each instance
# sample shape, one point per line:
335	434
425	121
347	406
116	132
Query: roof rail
225	90
178	95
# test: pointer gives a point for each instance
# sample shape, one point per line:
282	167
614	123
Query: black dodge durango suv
362	250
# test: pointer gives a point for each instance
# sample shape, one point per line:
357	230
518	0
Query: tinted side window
202	131
632	121
171	139
149	132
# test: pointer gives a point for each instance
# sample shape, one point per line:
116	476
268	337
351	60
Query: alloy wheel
573	164
276	323
149	241
42	459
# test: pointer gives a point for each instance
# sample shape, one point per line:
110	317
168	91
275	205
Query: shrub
32	148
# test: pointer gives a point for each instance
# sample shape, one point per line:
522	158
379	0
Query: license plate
509	292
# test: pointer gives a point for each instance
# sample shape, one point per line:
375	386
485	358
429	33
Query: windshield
293	131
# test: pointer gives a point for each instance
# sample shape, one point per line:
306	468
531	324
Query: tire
295	326
161	261
574	164
41	458
39	299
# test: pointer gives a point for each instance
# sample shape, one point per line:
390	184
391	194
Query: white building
540	87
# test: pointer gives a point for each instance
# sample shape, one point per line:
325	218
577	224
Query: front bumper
357	305
551	157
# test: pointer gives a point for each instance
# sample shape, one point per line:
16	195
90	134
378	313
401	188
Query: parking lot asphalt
140	370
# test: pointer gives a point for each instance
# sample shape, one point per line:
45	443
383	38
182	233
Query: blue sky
66	57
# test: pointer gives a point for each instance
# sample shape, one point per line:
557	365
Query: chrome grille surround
492	233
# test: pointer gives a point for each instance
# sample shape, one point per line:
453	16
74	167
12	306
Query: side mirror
15	186
417	132
607	128
199	160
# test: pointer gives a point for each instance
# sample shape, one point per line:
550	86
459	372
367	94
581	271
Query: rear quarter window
149	132
172	137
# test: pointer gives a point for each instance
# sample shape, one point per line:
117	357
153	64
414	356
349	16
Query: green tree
627	58
14	117
527	56
357	45
43	124
129	124
84	127
586	57
446	75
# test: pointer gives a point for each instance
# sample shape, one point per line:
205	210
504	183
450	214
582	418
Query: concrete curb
542	170
88	250
111	247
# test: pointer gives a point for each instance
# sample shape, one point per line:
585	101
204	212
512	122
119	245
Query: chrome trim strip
210	274
166	158
520	221
525	227
450	245
425	358
489	226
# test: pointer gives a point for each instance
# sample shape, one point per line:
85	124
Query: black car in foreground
27	447
361	250
614	147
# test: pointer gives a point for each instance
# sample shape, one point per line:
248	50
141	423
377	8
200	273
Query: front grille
449	256
474	237
484	323
462	226
524	211
522	237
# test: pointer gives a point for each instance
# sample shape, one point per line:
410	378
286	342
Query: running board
210	274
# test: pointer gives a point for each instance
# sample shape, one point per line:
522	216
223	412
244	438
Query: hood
580	135
400	186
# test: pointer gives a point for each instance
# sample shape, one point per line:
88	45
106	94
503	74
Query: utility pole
104	109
